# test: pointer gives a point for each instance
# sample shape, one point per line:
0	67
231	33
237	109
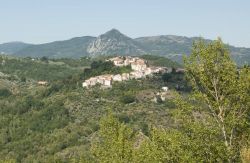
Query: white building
137	75
107	80
42	83
118	61
180	70
117	77
165	89
85	84
148	71
125	76
139	65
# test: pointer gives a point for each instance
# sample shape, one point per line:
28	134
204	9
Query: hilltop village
140	69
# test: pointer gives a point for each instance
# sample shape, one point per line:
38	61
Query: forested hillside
59	120
202	117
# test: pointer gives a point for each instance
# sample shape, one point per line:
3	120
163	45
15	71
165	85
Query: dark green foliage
167	77
102	67
160	61
5	92
127	99
53	117
82	62
176	80
44	59
23	79
55	87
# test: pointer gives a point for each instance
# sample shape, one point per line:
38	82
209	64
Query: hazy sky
40	21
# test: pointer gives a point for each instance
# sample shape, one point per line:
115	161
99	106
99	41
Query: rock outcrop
113	42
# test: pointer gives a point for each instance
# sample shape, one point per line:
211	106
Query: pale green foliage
7	161
115	142
164	146
201	133
245	155
222	90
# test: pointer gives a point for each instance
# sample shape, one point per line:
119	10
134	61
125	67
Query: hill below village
114	42
56	121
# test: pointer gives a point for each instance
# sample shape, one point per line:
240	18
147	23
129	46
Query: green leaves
114	142
221	90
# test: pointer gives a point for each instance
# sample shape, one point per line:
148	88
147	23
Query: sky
42	21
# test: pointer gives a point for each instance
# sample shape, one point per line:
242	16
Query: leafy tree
45	59
166	77
115	142
223	92
164	146
127	99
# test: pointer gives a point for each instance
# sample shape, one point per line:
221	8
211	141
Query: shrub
127	99
166	77
5	92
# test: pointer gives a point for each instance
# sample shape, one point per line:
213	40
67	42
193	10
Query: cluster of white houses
138	65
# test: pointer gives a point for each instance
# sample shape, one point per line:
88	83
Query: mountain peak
113	31
114	42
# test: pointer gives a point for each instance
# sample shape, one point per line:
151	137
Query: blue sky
40	21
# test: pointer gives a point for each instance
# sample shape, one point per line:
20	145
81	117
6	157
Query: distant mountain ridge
73	48
114	42
12	47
